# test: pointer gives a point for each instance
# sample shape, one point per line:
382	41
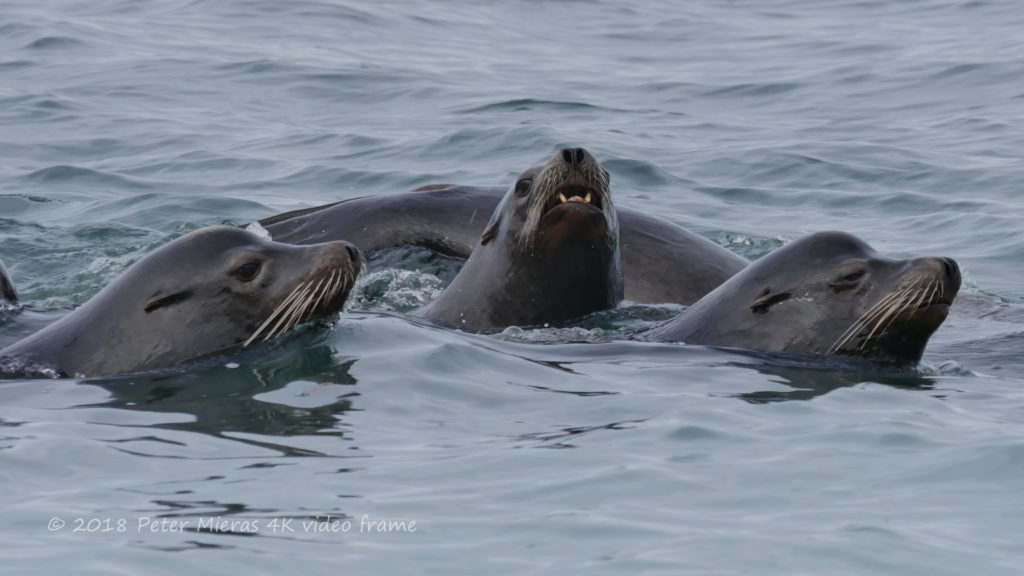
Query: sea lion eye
847	281
248	271
523	186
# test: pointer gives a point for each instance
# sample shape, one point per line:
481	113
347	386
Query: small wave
259	67
550	335
642	174
396	290
67	173
18	368
747	90
8	310
16	64
750	247
528	104
55	43
944	368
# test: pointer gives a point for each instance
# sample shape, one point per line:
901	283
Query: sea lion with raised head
549	253
661	261
211	290
825	294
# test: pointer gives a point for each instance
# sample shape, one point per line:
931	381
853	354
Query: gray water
126	124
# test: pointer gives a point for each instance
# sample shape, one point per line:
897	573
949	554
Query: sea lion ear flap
492	227
158	302
491	231
767	300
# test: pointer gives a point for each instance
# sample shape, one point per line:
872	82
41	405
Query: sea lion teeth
562	198
587	197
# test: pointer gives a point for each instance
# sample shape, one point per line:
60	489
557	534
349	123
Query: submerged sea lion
549	253
210	290
6	286
661	261
828	294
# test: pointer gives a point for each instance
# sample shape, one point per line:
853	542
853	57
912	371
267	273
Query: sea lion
7	291
208	291
549	253
825	294
661	262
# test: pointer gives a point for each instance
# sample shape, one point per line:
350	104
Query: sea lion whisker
321	290
914	297
315	296
286	311
279	311
273	315
290	318
338	286
327	291
892	312
923	295
936	292
864	320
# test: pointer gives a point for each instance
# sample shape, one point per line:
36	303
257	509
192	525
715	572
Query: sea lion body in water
549	253
661	262
826	294
210	290
7	291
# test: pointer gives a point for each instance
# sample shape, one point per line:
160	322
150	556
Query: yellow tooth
587	199
562	198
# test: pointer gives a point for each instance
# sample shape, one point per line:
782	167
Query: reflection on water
289	388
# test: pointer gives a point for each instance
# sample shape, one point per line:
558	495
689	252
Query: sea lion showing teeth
550	252
211	290
661	261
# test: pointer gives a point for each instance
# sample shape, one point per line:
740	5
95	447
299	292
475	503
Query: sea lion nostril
353	254
567	155
573	156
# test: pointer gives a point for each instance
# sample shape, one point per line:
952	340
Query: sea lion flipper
7	291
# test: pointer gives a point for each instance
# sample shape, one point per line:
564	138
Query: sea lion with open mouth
550	252
661	261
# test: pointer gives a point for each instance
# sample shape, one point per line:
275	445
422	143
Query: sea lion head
828	294
258	288
211	290
567	197
550	252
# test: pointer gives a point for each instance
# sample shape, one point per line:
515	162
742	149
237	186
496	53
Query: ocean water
378	444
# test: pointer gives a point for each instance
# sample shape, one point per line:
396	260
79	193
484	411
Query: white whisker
277	312
865	319
290	318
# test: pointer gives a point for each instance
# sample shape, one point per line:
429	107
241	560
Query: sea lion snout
947	274
952	270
